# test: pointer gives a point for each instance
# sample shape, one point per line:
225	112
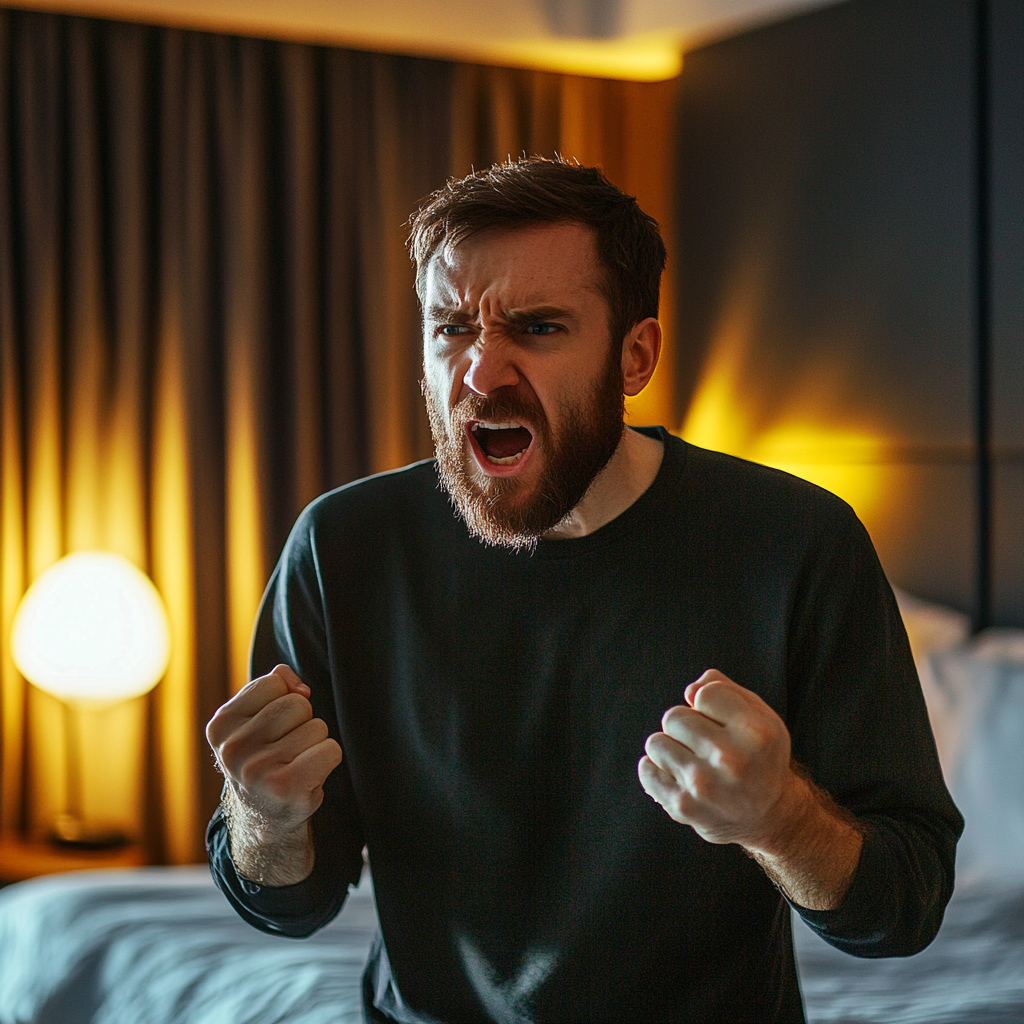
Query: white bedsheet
973	973
162	946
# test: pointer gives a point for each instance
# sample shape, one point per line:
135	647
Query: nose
490	367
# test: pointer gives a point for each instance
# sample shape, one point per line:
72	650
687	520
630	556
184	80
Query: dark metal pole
983	318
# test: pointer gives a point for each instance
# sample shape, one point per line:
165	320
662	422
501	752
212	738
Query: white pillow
932	628
974	689
984	682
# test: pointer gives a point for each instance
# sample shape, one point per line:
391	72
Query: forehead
537	264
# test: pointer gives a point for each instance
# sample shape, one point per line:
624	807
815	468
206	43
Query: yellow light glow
92	628
460	32
840	460
642	58
798	435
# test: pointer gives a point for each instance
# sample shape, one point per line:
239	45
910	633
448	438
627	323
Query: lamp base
71	831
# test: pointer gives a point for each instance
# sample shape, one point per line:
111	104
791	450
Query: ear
640	351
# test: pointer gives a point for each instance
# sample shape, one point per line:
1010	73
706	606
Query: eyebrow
449	315
513	317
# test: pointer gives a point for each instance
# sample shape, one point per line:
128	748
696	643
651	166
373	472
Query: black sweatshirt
492	708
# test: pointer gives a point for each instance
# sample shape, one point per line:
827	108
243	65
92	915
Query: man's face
522	382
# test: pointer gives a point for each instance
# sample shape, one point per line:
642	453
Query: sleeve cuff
292	910
863	921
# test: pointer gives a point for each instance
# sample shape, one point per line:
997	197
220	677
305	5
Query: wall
828	275
1007	279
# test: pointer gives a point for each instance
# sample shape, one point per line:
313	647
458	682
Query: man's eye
453	330
542	328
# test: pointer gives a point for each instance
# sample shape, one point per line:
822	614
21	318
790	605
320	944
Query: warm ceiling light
92	628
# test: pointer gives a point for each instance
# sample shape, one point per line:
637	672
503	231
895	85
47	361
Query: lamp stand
70	827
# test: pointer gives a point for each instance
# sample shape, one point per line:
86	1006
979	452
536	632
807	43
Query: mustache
510	406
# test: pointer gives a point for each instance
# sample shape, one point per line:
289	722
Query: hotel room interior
207	319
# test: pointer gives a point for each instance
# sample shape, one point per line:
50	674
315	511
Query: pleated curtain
207	319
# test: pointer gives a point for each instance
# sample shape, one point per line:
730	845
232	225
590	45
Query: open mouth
502	444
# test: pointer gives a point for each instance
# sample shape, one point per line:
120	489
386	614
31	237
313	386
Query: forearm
813	857
261	852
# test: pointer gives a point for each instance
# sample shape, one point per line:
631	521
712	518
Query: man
468	695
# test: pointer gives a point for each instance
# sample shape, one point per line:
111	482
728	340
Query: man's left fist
722	765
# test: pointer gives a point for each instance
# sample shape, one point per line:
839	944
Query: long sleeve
291	630
859	723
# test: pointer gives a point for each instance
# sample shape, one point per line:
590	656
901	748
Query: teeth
505	462
497	426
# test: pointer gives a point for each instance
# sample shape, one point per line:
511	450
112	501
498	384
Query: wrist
813	850
790	817
262	850
245	815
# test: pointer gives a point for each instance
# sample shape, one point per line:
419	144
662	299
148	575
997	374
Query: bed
161	945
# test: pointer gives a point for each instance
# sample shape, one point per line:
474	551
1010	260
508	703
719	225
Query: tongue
501	444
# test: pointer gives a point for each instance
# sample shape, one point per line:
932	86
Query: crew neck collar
626	520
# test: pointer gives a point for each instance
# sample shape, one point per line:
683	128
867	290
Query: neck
630	471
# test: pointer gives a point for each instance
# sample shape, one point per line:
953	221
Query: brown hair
536	190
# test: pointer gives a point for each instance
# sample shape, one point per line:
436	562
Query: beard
506	511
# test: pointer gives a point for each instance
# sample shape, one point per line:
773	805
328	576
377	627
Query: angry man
603	726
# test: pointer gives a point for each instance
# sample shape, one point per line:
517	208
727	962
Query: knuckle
701	786
258	773
734	763
295	706
231	751
654	743
218	724
249	775
680	805
269	685
763	734
213	732
673	716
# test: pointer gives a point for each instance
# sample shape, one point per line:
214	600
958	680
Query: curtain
207	319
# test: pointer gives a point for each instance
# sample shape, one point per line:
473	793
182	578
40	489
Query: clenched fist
722	765
275	757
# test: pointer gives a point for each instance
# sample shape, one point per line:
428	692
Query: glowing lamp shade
92	628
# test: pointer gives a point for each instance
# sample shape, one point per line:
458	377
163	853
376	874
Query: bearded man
493	676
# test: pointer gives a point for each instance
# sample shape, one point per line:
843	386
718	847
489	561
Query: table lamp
91	630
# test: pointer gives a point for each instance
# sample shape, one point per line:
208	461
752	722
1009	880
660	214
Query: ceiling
634	39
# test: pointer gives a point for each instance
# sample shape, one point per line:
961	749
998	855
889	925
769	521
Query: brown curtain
206	319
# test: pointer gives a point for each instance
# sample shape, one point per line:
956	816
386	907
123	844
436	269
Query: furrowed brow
449	315
534	314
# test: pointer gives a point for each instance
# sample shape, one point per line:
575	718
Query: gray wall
1007	230
827	171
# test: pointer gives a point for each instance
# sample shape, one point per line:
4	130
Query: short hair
537	190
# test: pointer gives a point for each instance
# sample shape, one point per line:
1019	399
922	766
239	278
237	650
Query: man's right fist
274	754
